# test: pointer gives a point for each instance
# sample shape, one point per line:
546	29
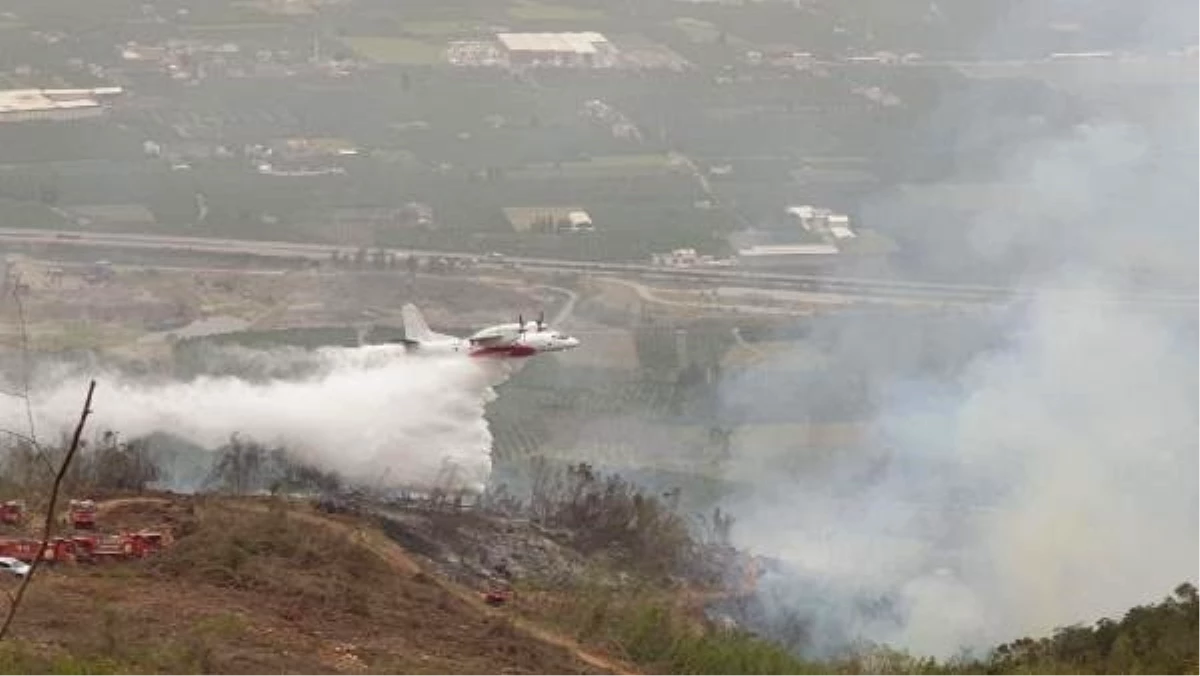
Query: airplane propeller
541	322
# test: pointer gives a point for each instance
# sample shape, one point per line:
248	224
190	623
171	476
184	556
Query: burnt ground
475	549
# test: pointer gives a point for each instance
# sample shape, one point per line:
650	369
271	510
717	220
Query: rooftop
578	43
789	250
24	100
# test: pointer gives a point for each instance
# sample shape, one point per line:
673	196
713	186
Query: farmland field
233	15
243	27
275	8
602	166
539	11
437	28
395	50
704	32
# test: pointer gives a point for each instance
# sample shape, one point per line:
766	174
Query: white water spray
375	415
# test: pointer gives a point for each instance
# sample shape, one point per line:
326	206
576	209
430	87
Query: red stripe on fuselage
505	351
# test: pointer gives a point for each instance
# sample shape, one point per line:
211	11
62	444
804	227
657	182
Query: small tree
239	466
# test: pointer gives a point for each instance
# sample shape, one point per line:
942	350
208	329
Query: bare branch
37	448
17	435
48	526
25	375
25	368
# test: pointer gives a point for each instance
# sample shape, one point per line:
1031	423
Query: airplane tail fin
415	328
416	331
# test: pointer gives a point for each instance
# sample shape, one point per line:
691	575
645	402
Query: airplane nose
571	342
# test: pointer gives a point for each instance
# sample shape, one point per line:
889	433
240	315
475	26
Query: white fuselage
502	340
522	345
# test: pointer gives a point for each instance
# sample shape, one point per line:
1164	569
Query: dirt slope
249	587
395	556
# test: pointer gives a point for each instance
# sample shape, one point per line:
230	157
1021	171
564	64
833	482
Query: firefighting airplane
522	339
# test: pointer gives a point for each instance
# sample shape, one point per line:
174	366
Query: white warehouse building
822	222
25	105
588	49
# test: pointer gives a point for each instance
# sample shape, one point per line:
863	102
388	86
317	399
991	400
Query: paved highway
858	286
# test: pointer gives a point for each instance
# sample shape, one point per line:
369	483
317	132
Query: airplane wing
490	341
493	336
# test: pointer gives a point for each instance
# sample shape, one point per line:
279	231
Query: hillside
273	586
256	587
265	585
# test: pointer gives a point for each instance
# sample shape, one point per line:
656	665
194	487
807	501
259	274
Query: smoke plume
375	415
1051	477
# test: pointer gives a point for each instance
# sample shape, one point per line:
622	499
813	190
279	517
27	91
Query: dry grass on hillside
253	588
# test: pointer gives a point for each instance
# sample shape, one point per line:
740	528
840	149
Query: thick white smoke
1053	479
1054	483
375	415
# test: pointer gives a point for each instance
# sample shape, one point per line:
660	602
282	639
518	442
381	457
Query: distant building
310	148
22	105
685	258
550	219
839	226
474	53
417	213
678	258
787	255
823	222
578	221
781	56
587	50
1080	56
